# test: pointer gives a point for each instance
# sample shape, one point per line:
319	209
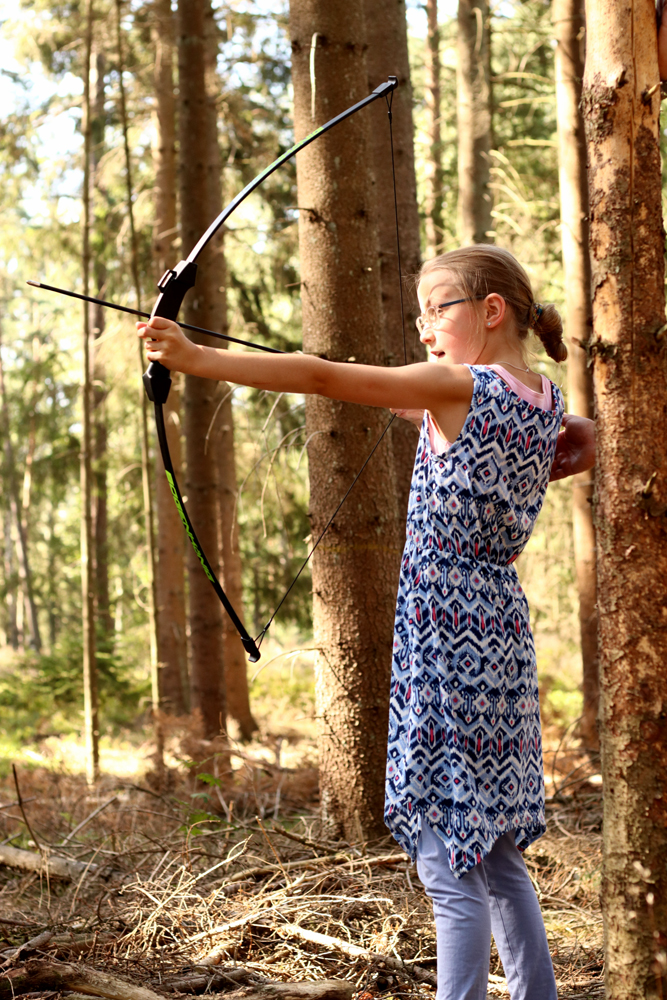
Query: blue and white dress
465	751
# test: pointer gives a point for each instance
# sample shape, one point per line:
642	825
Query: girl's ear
495	310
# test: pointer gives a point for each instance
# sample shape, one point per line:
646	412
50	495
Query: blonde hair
484	268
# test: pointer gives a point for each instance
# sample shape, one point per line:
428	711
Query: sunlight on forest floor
188	876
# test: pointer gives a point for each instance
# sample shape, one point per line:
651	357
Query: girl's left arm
413	386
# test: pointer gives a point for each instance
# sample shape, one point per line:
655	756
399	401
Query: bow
173	286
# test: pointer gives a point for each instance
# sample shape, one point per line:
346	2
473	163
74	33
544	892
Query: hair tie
536	311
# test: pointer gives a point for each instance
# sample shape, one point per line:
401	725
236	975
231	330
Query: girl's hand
166	343
575	447
414	416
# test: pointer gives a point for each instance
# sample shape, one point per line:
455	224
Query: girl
465	789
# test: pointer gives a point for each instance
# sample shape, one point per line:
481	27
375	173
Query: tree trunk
90	707
147	492
236	671
222	441
354	567
24	572
204	306
434	220
100	529
568	18
621	102
473	106
170	578
387	54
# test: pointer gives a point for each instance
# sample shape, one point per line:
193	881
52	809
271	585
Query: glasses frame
423	321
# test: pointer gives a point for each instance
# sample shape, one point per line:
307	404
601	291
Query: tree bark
568	18
204	306
170	577
222	438
434	220
236	671
621	103
387	53
147	493
99	463
24	570
90	706
354	567
473	107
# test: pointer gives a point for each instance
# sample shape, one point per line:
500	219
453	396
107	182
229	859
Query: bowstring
260	637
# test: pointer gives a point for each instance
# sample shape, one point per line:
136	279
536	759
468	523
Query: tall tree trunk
621	103
25	590
354	567
434	220
387	54
170	578
100	551
568	18
147	493
204	306
222	438
473	106
90	707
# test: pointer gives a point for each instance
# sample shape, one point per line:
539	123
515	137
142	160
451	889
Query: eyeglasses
435	314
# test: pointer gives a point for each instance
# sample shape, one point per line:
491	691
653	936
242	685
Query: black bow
173	286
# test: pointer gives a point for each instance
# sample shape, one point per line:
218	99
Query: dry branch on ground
200	904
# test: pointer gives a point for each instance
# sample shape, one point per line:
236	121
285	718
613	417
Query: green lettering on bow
188	529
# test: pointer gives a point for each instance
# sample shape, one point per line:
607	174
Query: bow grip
172	285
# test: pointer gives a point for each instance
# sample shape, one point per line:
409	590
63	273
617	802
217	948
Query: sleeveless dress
464	751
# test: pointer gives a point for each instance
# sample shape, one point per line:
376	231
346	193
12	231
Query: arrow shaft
145	315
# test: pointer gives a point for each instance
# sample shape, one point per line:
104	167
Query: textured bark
387	54
203	307
236	671
621	102
473	107
90	706
434	223
568	18
354	567
170	578
24	591
103	619
222	446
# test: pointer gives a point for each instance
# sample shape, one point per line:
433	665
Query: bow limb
173	287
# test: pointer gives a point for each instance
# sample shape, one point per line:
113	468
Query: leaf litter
214	886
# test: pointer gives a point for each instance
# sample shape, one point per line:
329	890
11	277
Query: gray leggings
495	896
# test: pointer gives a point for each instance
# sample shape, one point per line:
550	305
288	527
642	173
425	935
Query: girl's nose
426	335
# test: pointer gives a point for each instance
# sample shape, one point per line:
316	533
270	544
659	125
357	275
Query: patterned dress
465	752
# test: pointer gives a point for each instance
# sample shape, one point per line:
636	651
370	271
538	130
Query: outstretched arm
434	387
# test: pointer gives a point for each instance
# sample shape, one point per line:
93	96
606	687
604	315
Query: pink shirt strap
543	400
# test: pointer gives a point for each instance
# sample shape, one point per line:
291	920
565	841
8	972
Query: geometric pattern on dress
464	749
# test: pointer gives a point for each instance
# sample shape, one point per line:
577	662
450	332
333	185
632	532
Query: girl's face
456	336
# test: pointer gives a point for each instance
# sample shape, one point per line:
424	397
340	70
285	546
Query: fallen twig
48	975
355	951
11	954
326	989
329	859
87	820
20	801
43	863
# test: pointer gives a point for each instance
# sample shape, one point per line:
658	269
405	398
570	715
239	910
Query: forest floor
218	887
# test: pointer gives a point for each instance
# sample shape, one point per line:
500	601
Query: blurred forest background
42	127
